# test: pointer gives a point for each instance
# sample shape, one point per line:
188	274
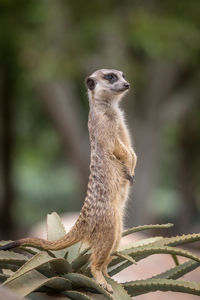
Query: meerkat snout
126	85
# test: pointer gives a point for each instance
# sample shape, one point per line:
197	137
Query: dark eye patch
123	75
111	77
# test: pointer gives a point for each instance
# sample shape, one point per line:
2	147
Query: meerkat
112	169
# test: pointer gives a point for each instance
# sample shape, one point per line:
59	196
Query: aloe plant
66	273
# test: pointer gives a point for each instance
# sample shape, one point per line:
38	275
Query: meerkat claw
130	178
107	287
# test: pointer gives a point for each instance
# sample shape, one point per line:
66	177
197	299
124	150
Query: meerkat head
106	85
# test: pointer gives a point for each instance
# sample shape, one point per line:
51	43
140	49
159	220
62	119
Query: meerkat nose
126	85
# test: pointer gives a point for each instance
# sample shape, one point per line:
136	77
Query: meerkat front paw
128	175
130	178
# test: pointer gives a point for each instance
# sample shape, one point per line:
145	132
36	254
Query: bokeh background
47	48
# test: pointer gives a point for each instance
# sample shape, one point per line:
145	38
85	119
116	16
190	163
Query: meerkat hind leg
100	256
115	247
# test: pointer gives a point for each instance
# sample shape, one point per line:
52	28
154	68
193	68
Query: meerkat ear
90	83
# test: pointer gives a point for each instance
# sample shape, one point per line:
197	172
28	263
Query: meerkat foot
107	287
98	276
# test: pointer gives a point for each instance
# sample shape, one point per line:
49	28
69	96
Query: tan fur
112	158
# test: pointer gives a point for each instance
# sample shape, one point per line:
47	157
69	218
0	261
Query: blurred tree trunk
60	102
146	127
186	175
166	99
6	143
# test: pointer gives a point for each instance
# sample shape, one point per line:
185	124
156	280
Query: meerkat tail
72	237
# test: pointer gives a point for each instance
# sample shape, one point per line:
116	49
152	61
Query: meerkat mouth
124	89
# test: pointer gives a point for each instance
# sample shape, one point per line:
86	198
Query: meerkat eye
111	77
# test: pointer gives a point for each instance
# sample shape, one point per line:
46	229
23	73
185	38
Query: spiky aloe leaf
81	281
11	267
5	242
43	296
3	277
119	292
33	280
138	287
73	252
146	227
146	241
77	295
175	259
178	240
125	257
60	266
118	264
178	271
12	257
8	294
142	253
114	269
80	261
37	261
55	231
11	260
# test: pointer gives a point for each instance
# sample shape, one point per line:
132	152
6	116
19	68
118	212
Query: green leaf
119	292
26	283
175	259
8	294
139	287
138	253
142	253
178	271
126	257
80	261
43	296
36	261
30	250
147	241
11	267
55	231
114	269
77	295
178	240
2	242
3	277
12	257
60	265
11	260
145	227
81	281
33	280
73	252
